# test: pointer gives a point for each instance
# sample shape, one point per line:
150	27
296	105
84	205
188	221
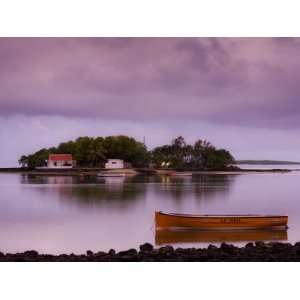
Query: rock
259	244
212	247
111	252
31	253
297	248
261	251
128	258
165	250
228	248
146	247
100	254
130	252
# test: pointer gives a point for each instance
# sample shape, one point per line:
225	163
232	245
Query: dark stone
31	253
111	252
100	254
146	247
129	252
261	251
212	247
228	248
260	244
297	247
165	250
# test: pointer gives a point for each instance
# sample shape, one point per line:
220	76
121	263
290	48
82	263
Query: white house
64	161
114	164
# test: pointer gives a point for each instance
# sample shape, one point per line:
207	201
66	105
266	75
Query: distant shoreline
94	171
266	162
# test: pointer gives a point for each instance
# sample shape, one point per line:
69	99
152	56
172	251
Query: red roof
59	157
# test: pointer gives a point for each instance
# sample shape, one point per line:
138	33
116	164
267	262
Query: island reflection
126	191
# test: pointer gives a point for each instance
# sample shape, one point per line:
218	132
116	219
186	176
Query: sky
242	94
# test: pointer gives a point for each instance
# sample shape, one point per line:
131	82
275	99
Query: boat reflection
194	236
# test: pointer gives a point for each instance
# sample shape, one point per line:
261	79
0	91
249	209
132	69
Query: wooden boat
210	222
198	236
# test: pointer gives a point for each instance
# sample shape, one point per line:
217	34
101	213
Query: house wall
60	164
114	164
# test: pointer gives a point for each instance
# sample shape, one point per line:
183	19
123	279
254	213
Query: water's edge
258	251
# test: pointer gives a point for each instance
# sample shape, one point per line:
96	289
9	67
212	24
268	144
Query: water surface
60	214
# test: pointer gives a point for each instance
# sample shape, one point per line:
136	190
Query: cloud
234	81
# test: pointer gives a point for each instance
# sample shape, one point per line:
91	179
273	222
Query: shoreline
132	172
251	252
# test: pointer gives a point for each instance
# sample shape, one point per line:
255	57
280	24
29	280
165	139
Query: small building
115	164
64	161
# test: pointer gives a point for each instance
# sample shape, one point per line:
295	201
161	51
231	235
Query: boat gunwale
220	216
222	229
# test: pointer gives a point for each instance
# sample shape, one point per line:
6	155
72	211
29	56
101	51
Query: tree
23	161
96	155
179	142
93	152
202	155
126	148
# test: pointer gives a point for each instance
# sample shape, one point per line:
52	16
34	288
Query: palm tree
96	153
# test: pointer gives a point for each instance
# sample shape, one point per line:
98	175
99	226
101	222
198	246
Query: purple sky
240	93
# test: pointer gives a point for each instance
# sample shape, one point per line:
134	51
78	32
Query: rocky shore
254	252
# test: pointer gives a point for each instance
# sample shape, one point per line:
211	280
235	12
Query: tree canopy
93	152
202	155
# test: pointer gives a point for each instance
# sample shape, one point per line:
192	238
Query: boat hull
218	222
197	236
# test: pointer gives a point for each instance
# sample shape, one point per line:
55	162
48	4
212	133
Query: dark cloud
212	79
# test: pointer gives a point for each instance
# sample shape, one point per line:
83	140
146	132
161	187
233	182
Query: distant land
266	162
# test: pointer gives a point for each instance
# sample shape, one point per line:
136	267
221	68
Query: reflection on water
91	189
199	187
72	214
87	191
190	236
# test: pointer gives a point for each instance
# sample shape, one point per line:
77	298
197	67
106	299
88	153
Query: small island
89	153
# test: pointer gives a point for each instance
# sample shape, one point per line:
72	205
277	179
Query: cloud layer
235	81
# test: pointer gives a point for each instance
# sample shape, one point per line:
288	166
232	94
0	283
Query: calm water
69	214
290	167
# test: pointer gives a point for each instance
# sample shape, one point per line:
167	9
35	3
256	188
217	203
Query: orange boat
197	236
213	222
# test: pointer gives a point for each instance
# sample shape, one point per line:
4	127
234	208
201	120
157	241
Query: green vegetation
202	155
93	152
